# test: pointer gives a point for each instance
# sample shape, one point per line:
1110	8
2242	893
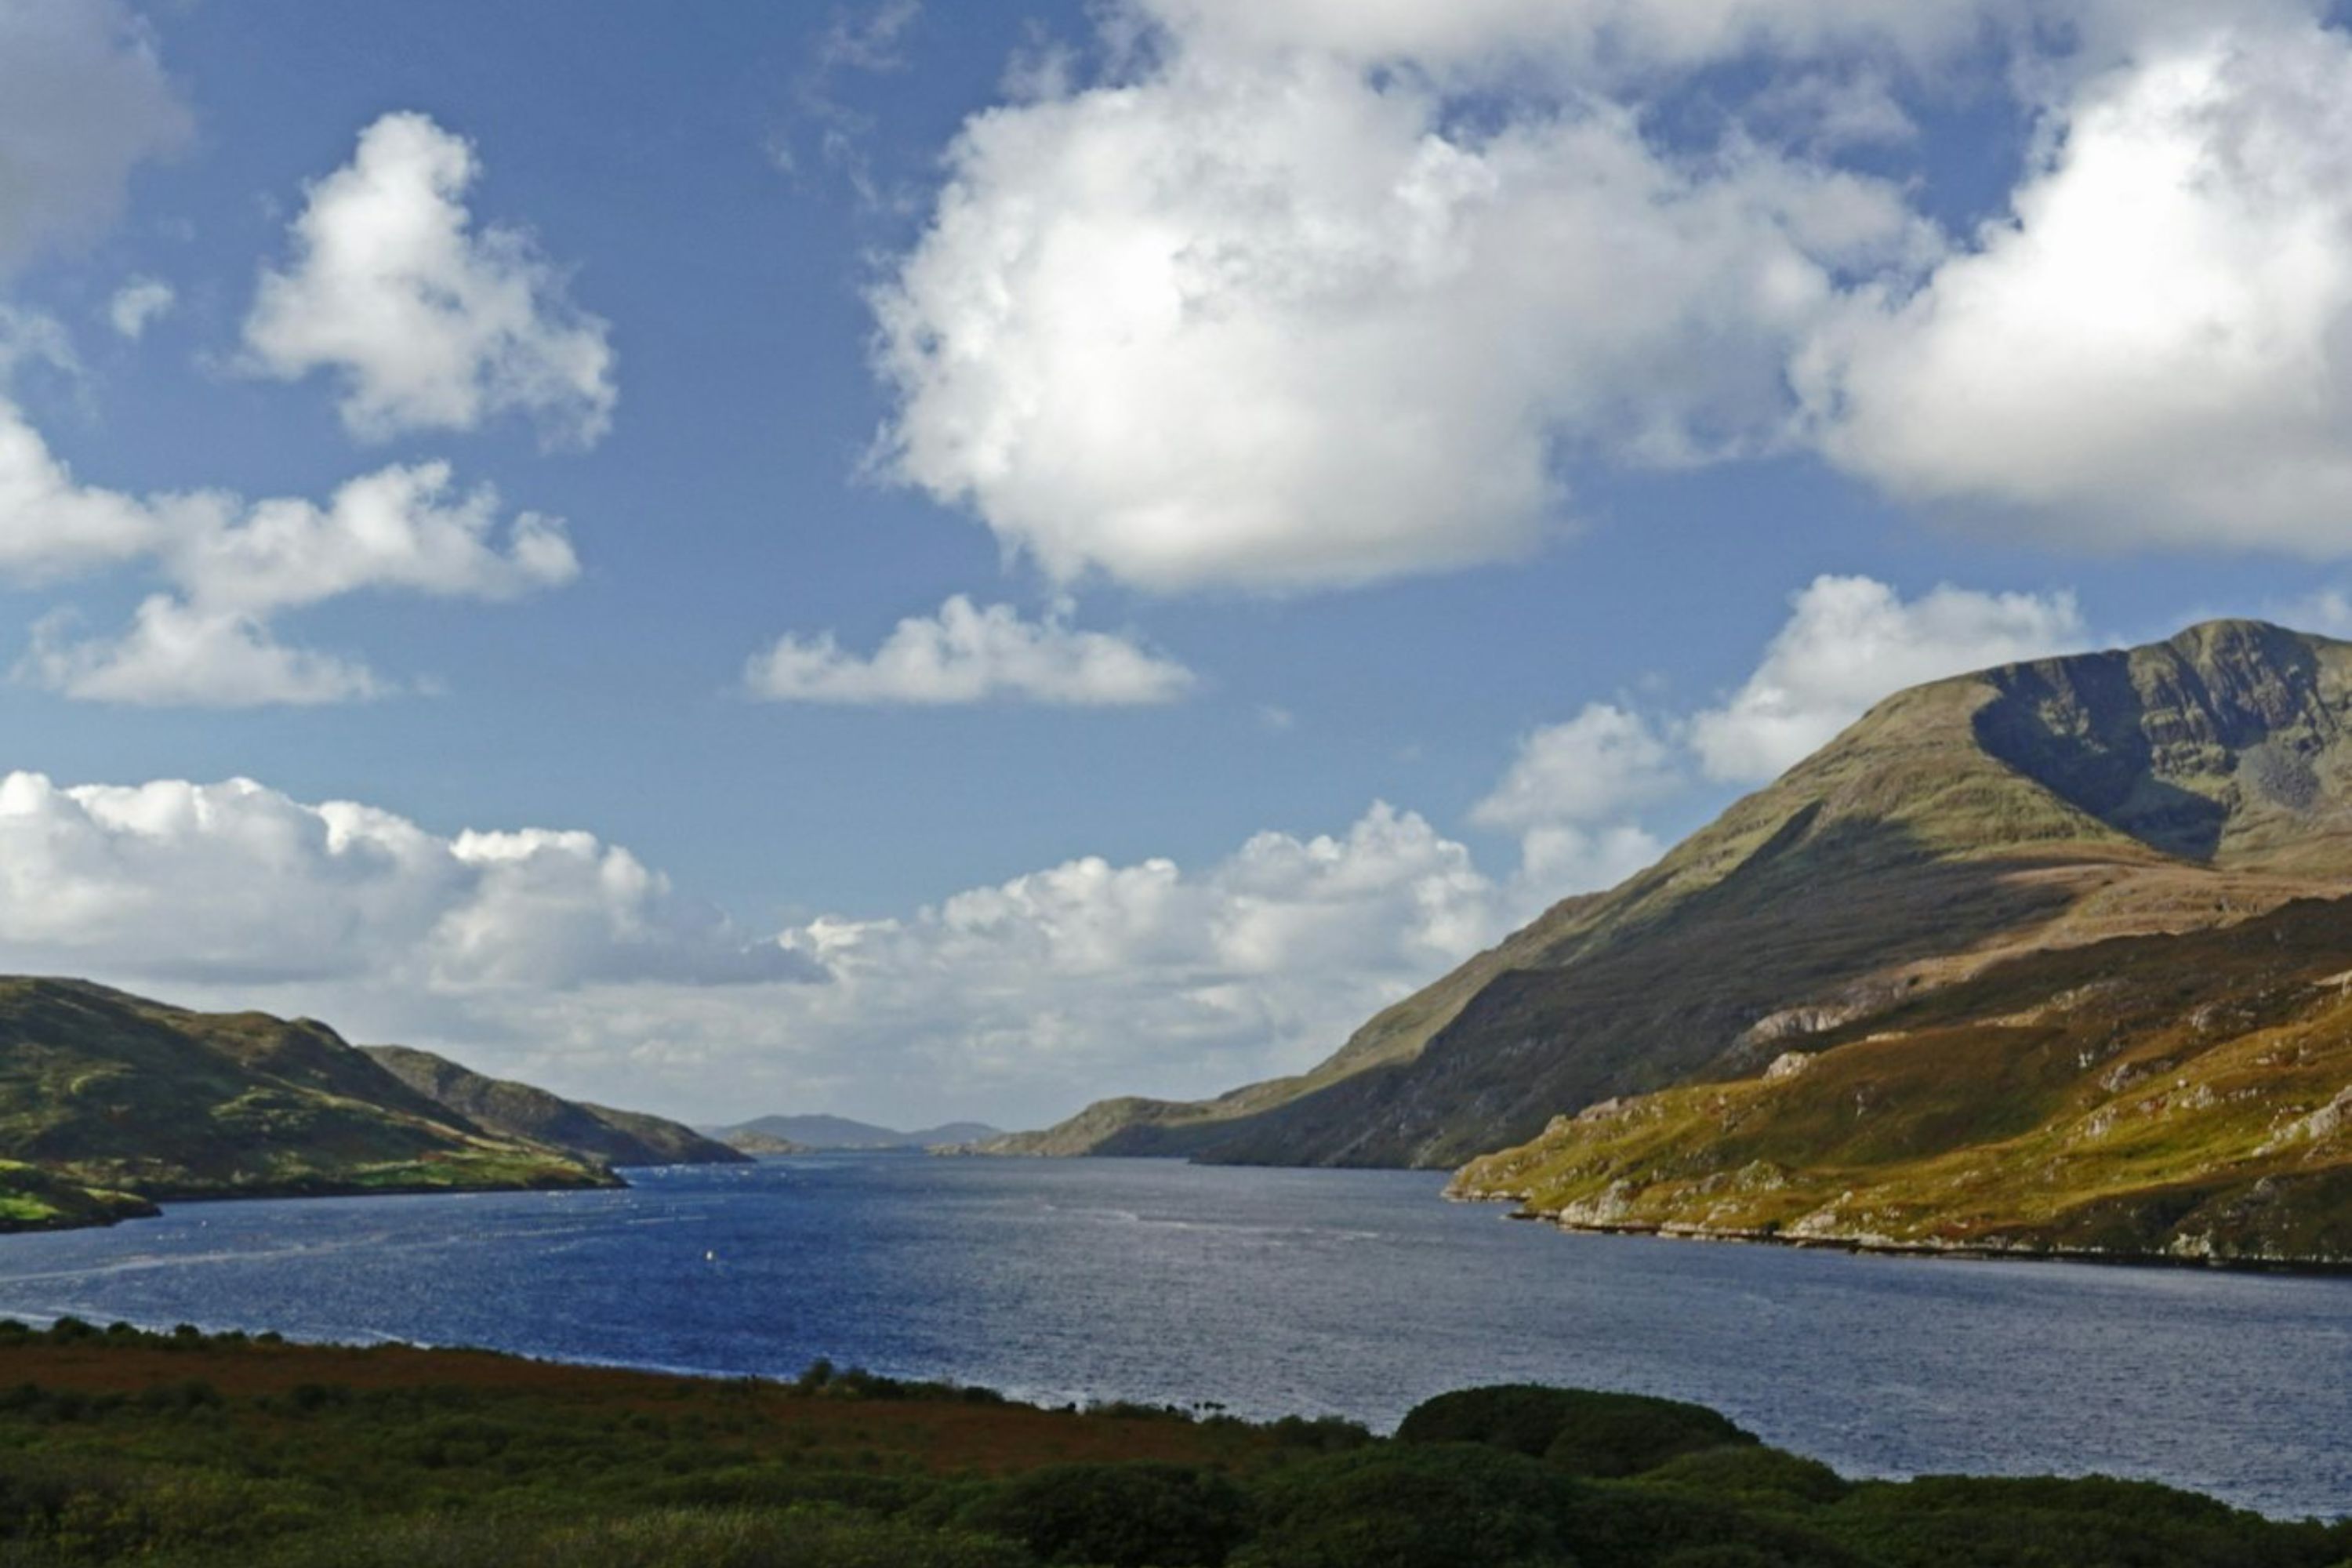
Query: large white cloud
968	654
1850	641
83	101
236	883
235	563
2156	348
556	954
1310	292
1275	320
430	323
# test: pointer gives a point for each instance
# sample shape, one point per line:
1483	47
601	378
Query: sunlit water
1357	1293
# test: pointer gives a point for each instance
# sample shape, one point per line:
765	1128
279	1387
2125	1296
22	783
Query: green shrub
1132	1515
1579	1430
1419	1506
1752	1473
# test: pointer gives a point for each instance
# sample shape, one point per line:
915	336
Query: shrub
1419	1506
1579	1431
1133	1515
1752	1473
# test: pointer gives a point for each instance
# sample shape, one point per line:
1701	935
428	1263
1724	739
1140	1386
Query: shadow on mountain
1812	910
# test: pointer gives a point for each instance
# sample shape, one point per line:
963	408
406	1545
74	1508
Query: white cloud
139	304
1593	35
559	956
967	654
1851	641
234	563
232	884
177	656
1572	795
1596	767
430	323
1313	293
1093	977
1273	320
83	102
2156	348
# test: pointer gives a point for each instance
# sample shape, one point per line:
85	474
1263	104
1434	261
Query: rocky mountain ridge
2180	787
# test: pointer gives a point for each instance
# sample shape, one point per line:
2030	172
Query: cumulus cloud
234	883
1573	793
1153	978
177	656
1850	641
1596	765
428	322
1268	319
1305	293
139	304
83	102
967	654
235	563
557	954
2154	348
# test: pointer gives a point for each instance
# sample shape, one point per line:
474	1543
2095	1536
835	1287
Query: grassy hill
2180	787
2183	1096
593	1132
106	1094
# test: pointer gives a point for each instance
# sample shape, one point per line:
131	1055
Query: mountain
2182	1096
1993	819
595	1133
816	1133
111	1093
764	1145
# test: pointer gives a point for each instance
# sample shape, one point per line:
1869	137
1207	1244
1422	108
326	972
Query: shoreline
1867	1246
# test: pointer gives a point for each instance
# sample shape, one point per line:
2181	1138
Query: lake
1267	1292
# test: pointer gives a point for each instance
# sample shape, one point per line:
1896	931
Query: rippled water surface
1272	1291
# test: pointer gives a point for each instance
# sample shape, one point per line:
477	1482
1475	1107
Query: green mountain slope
596	1133
2182	1096
103	1090
2170	788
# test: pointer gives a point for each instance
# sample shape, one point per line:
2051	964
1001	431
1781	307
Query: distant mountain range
2048	957
794	1134
109	1101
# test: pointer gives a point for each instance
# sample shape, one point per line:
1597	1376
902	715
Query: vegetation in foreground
201	1451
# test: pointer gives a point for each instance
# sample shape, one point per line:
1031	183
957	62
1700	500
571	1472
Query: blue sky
1543	420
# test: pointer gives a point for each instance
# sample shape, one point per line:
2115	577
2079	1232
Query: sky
929	563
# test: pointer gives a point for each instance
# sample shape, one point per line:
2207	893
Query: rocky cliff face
2177	787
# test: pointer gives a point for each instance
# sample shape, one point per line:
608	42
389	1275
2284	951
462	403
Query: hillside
594	1133
2172	788
105	1091
2158	1096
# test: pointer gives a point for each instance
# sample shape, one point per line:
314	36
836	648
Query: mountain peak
2175	786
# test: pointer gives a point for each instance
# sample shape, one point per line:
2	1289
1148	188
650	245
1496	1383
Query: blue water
1356	1293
